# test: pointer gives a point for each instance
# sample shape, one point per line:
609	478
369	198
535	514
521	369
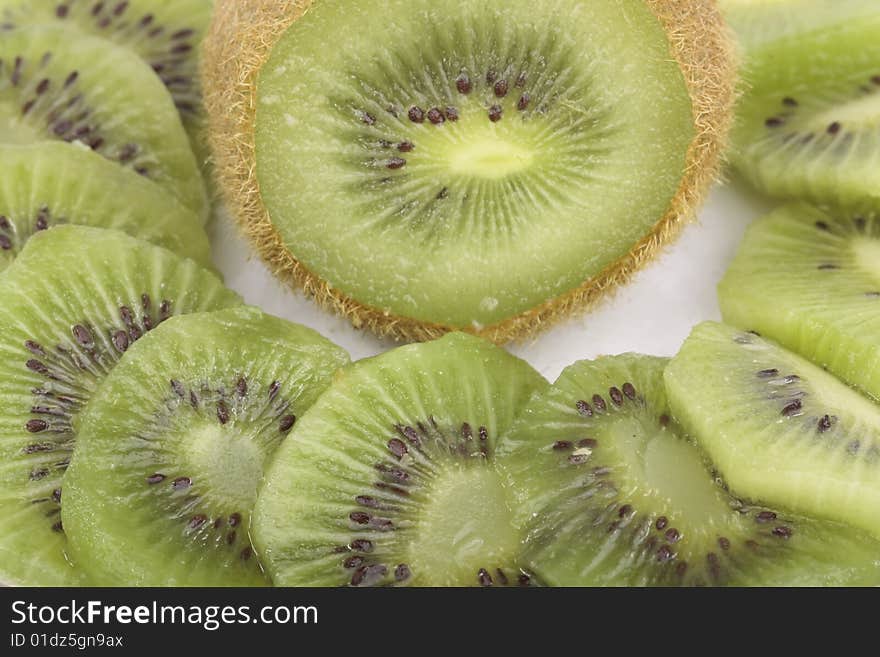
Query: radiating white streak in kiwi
90	84
67	277
779	446
634	502
302	526
49	183
809	279
249	375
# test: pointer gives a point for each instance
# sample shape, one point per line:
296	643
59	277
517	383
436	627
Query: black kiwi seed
406	147
792	408
616	396
523	102
436	116
501	88
495	113
834	128
824	423
764	374
584	408
599	403
463	84
416	114
789	102
774	122
451	114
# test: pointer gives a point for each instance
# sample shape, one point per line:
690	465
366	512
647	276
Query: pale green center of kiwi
475	147
13	129
867	255
465	526
861	112
668	470
229	464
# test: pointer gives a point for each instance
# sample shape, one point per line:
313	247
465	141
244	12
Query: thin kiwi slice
807	124
73	302
609	491
165	34
390	478
779	428
483	168
168	476
810	280
50	184
59	84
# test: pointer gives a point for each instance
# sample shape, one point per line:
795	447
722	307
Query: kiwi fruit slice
611	492
777	427
73	302
168	476
486	169
810	280
390	478
807	124
58	84
49	184
167	35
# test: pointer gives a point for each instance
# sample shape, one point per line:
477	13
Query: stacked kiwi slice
478	167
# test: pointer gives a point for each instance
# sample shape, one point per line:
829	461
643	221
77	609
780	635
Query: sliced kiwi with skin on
609	491
810	280
58	84
74	300
390	478
165	33
797	436
168	476
808	120
50	184
487	169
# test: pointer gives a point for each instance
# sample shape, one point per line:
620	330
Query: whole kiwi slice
58	84
609	491
391	478
168	476
810	280
73	302
777	427
49	184
167	35
807	123
480	168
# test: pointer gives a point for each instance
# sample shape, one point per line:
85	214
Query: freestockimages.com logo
209	617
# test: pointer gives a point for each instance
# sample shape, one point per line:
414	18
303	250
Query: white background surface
653	315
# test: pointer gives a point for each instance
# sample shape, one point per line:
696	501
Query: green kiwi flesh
390	478
73	302
164	34
777	427
59	84
610	492
808	122
462	167
174	442
810	280
50	184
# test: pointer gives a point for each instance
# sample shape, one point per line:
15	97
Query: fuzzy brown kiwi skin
240	40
